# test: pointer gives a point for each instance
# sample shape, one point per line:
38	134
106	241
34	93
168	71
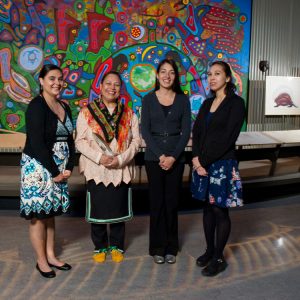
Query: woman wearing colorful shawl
108	139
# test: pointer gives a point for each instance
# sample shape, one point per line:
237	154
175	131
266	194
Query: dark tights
217	225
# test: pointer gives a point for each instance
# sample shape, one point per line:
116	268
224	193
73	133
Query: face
52	83
166	76
110	88
217	79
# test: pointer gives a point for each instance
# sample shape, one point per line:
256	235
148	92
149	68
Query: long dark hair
230	86
45	70
176	84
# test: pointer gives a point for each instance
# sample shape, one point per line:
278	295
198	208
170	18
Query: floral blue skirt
222	186
40	196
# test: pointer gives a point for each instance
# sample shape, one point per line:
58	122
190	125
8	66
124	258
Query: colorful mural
88	38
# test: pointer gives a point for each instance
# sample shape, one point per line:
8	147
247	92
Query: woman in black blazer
166	118
216	178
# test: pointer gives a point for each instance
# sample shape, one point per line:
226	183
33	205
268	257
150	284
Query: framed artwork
282	95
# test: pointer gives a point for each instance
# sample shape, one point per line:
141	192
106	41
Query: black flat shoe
170	259
215	267
203	260
159	259
64	267
50	274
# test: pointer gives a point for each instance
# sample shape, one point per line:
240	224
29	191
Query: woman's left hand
114	164
66	174
167	163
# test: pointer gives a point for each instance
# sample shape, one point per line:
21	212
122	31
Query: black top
166	109
41	126
169	134
216	140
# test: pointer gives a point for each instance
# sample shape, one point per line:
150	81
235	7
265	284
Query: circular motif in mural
121	17
30	58
170	21
9	104
13	119
79	6
109	10
51	38
151	24
172	37
243	18
142	77
121	38
137	32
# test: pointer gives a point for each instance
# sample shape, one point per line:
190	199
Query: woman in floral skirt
216	178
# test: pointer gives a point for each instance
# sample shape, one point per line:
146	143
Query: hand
66	174
58	178
201	171
197	166
167	163
162	159
114	164
106	160
196	162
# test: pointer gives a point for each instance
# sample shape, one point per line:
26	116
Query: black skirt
108	204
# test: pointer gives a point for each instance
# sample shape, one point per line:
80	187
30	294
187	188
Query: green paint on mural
142	77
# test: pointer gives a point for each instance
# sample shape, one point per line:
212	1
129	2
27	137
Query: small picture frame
282	95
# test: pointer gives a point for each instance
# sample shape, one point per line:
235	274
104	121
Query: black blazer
41	126
178	121
217	140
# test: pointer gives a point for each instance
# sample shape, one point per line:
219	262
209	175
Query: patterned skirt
40	196
222	186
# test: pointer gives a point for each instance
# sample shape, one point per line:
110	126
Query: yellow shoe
100	255
116	255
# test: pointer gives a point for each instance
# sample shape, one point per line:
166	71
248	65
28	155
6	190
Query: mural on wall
88	38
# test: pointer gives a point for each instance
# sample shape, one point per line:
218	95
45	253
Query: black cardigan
41	126
217	140
178	121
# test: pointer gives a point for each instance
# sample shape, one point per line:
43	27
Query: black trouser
164	191
102	239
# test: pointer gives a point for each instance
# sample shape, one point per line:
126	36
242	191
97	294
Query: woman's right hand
197	166
201	171
59	178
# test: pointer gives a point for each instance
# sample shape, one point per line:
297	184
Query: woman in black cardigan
216	176
47	162
166	118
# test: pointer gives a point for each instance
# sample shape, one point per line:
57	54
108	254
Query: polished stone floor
263	255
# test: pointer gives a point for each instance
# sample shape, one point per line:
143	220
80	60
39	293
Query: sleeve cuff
120	160
98	158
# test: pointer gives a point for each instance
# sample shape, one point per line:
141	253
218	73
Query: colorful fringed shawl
109	126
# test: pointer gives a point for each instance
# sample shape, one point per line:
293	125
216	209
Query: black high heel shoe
50	274
64	267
